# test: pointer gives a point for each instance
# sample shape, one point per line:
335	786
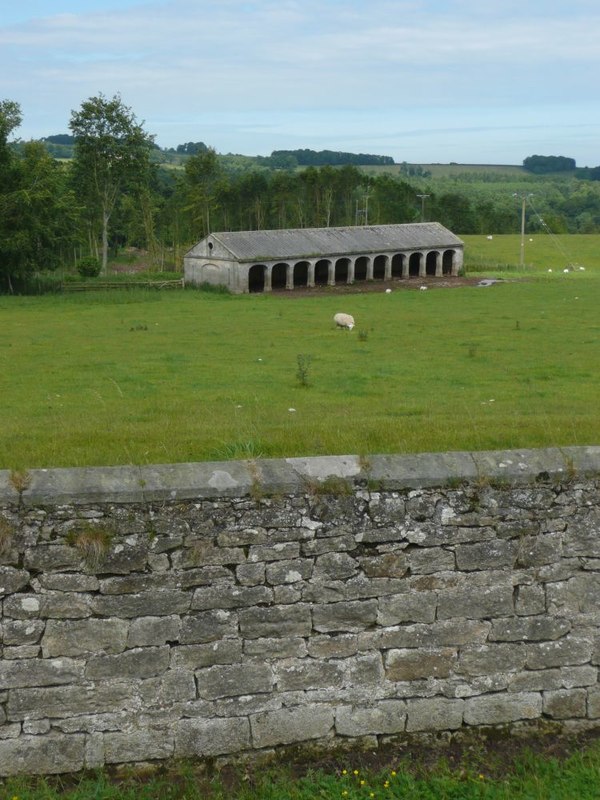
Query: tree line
112	194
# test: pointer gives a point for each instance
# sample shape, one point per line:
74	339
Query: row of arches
346	269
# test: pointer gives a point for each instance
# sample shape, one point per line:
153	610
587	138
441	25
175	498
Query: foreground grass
527	777
147	377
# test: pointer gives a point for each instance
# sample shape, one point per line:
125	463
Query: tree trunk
105	218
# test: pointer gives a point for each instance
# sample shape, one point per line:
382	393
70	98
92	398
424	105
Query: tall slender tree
112	157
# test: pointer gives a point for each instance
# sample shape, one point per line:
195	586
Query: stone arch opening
448	262
431	262
256	278
342	270
414	265
379	267
360	268
322	272
398	265
301	274
279	276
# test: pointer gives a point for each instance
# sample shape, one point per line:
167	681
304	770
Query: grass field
146	377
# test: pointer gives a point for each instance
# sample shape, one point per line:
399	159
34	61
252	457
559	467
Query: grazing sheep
344	321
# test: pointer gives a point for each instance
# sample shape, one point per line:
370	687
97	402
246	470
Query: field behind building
140	376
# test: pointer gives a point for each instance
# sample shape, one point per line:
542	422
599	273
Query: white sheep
344	321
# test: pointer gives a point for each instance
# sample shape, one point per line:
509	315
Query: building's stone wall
209	610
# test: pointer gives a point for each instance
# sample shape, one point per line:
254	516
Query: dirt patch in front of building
396	285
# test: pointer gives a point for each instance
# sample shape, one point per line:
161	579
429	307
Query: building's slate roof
313	242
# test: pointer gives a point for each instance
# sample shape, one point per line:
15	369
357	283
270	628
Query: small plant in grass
93	542
363	335
304	361
89	267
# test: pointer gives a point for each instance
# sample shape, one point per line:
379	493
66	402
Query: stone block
535	551
194	656
142	662
529	629
350	616
197	738
19	632
201	553
334	567
493	554
407	607
42	755
365	669
144	604
431	559
232	680
306	673
547	679
568	651
530	600
565	703
281	551
80	637
275	621
386	565
13	580
137	583
39	672
65	605
48	558
230	596
137	745
208	626
487	659
293	647
434	714
476	602
22	606
339	645
501	708
61	702
250	574
385	717
282	572
153	631
581	536
414	665
333	544
291	725
593	709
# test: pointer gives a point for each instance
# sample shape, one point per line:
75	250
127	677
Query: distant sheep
344	321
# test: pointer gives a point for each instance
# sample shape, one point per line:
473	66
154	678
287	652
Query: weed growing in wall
6	536
93	542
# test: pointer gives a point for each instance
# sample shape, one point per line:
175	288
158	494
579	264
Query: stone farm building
259	261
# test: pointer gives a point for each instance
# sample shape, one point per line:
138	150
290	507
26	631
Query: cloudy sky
472	81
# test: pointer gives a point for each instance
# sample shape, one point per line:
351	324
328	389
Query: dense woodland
107	186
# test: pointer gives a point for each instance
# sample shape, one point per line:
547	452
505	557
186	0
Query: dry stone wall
213	610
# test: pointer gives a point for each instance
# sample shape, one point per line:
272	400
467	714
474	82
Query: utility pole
363	211
523	203
423	198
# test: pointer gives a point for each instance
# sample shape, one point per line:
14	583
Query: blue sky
422	81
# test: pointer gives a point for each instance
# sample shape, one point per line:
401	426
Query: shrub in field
89	267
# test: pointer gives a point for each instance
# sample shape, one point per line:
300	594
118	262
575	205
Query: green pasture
542	251
140	376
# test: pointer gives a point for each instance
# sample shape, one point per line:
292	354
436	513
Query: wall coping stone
197	480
